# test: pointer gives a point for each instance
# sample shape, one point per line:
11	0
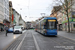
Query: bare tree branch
71	5
61	1
62	12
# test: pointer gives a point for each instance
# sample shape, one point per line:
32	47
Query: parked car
10	30
17	29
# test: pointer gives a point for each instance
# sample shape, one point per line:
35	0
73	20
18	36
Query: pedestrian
6	28
1	29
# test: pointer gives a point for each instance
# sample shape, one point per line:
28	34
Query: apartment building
73	15
1	13
15	18
59	18
4	13
10	12
54	11
22	22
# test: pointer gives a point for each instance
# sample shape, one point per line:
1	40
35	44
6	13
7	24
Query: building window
1	8
74	25
1	1
66	18
63	19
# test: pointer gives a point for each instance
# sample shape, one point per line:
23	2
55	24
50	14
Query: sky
31	9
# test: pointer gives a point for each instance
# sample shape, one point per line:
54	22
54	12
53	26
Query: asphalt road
32	40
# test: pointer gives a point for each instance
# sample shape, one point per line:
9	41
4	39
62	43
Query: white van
17	29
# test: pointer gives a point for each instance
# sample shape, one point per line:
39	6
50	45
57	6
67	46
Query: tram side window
45	25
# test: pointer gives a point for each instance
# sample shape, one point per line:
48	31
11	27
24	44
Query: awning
72	22
2	24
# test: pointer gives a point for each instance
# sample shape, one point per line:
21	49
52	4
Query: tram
47	26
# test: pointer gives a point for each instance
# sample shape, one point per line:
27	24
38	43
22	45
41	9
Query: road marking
19	46
24	31
36	44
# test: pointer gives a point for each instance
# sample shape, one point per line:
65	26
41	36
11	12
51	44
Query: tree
66	6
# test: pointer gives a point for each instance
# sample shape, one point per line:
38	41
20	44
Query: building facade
10	13
28	25
71	13
59	18
22	22
4	13
33	24
6	9
1	13
15	18
54	11
73	16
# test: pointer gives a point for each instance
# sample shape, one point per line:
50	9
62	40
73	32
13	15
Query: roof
50	18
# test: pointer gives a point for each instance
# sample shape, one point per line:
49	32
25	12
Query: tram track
35	41
28	38
19	46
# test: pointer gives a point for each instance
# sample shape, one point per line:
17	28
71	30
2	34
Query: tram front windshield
52	25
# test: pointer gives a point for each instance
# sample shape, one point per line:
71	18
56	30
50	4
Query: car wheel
13	33
21	32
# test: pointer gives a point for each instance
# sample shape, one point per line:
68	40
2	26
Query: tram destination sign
51	20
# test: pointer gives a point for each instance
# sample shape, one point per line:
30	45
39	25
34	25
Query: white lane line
19	46
36	44
24	31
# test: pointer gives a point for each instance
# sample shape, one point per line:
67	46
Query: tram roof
50	18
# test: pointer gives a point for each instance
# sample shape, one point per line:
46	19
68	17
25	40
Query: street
37	24
31	40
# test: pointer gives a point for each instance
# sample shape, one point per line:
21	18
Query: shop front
60	27
72	25
6	22
65	24
73	21
1	27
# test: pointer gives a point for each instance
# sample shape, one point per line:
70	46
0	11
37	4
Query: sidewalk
6	40
67	35
3	32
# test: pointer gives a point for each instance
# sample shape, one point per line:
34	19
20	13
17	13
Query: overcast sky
32	8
